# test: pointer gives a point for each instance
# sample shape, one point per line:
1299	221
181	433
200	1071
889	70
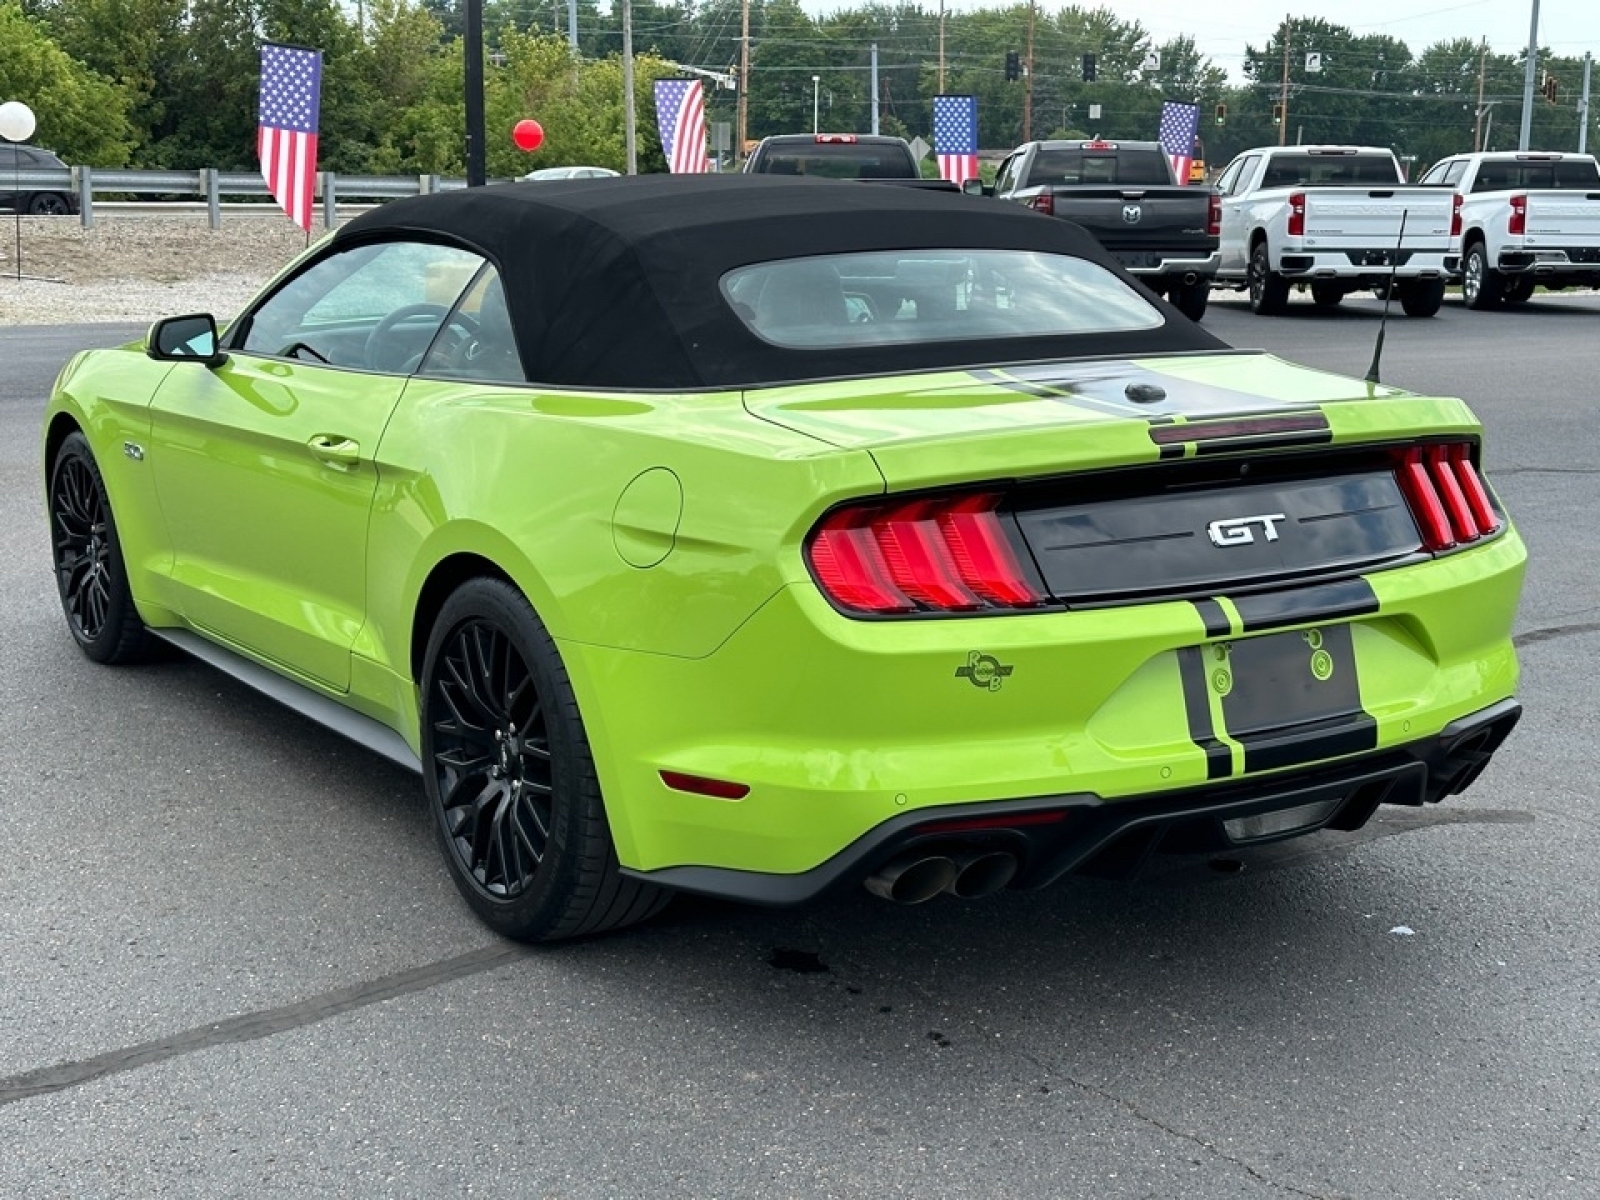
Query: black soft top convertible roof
614	283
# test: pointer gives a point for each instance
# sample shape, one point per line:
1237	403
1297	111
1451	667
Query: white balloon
16	121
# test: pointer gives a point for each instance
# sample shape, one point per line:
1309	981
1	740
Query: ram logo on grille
1238	531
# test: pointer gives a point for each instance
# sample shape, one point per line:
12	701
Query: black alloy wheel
48	204
90	574
1269	291
510	778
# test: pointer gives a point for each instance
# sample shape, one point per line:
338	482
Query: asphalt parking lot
234	965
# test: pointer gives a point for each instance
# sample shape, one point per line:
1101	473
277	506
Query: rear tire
1482	287
1269	291
48	204
1422	297
1326	295
91	576
510	778
1190	298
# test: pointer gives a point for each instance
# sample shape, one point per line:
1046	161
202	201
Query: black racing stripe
1288	748
1306	606
1275	441
1215	618
1192	672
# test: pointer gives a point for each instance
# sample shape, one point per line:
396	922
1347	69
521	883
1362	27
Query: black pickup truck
874	157
1125	195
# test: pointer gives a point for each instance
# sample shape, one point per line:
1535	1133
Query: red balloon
528	135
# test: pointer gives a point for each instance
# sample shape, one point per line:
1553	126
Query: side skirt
330	714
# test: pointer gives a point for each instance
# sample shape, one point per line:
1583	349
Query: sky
1221	28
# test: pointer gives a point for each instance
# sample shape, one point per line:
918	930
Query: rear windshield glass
1331	170
1532	176
836	160
1055	167
894	297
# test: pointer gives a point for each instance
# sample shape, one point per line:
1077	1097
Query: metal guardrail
85	182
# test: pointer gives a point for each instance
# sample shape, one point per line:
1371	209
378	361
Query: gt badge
1236	531
984	671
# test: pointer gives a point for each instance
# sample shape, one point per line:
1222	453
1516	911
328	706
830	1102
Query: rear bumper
1371	262
1581	261
1053	836
1146	265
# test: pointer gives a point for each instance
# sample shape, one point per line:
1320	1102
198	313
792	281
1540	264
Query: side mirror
975	187
183	339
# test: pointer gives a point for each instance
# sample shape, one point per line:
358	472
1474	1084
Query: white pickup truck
1337	218
1527	220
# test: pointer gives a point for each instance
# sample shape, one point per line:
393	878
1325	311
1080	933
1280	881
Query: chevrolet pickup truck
1338	219
1527	220
1125	195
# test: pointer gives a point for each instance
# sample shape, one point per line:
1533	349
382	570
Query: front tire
1269	291
1422	297
1518	291
510	778
91	575
1190	298
1482	287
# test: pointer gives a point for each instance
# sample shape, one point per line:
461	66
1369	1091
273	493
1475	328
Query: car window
375	307
908	296
1058	165
1226	181
1247	170
1331	170
1435	175
476	340
1006	178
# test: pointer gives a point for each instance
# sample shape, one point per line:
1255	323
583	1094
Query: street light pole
1527	81
816	109
472	47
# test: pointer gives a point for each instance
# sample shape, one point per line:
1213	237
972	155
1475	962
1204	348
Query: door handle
335	450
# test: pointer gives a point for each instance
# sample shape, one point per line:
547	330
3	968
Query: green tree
81	115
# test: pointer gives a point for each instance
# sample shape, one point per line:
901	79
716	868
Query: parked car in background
760	537
1331	217
1526	220
873	157
571	173
1125	194
34	201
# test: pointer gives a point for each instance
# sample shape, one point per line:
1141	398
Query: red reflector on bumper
699	785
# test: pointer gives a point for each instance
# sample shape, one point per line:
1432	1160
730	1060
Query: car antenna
1388	295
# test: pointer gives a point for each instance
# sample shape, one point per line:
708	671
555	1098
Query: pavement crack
1500	472
253	1026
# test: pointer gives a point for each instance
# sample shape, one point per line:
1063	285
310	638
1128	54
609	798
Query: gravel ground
137	268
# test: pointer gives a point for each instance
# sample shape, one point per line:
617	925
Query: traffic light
1277	114
1013	66
1551	88
1222	114
1088	68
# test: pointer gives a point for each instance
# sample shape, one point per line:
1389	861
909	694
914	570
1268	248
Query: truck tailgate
1363	218
1166	219
1565	219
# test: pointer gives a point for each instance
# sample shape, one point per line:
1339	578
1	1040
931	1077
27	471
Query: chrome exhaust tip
912	880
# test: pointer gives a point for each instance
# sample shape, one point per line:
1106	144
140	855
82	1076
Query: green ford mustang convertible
756	537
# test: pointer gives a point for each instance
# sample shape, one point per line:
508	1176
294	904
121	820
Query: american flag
681	113
286	136
955	136
1180	125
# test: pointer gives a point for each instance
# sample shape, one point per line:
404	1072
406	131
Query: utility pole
1477	120
1583	106
1527	81
941	47
874	89
572	26
744	79
630	132
1283	95
1027	95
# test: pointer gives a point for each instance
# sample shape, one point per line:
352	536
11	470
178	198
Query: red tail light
1519	216
934	554
1297	214
1455	215
1446	495
1214	216
1044	202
